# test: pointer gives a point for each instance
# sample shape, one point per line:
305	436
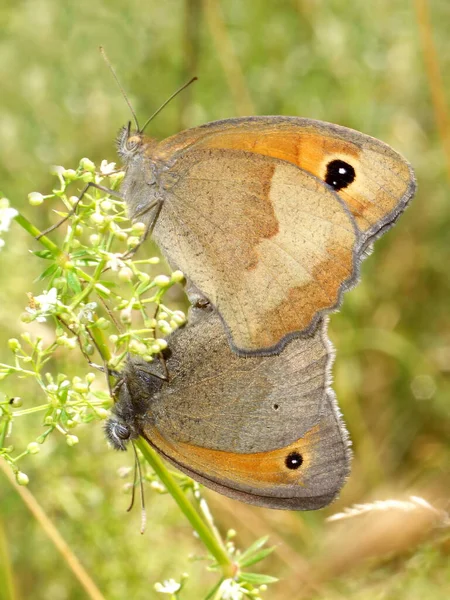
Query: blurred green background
379	67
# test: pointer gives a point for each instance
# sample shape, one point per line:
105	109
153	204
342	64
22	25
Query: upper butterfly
269	217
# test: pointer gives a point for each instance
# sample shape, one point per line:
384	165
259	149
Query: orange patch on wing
305	150
304	302
312	152
259	469
268	225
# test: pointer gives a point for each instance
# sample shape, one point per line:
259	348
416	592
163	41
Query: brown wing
267	243
221	401
265	430
270	216
384	181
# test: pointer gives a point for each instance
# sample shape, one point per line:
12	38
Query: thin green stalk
47	243
34	231
7	588
203	530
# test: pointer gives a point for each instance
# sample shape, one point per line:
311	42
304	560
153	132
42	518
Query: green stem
3	429
7	587
47	243
91	284
203	530
34	231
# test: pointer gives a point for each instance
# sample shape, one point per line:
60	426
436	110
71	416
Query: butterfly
268	217
262	429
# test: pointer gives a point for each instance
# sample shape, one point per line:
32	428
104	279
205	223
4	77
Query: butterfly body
269	217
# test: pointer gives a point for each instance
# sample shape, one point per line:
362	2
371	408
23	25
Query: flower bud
179	317
132	241
57	170
106	205
71	440
80	386
14	344
22	478
125	274
35	198
177	277
120	234
102	323
159	345
102	413
97	219
125	316
69	174
144	277
139	228
87	165
162	280
164	327
33	448
87	177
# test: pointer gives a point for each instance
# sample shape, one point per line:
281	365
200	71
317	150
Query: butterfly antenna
183	87
134	479
107	61
137	469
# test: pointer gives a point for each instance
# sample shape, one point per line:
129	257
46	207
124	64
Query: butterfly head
133	394
121	427
129	143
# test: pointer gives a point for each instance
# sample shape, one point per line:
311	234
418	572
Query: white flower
115	262
47	300
87	312
45	304
7	214
170	586
231	590
107	168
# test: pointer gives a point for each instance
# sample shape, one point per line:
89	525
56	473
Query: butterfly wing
383	181
267	243
271	479
261	429
250	219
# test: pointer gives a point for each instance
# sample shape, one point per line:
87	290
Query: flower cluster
97	299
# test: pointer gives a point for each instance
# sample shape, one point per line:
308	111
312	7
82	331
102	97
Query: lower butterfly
264	430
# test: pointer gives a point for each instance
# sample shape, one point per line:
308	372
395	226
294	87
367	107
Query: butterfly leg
150	226
75	206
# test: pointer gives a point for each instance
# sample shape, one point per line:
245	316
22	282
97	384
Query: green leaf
256	557
46	254
143	287
51	270
101	293
257	578
74	283
108	284
84	253
214	589
253	548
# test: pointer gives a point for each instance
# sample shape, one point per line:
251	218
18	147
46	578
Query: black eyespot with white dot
339	174
276	406
294	460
